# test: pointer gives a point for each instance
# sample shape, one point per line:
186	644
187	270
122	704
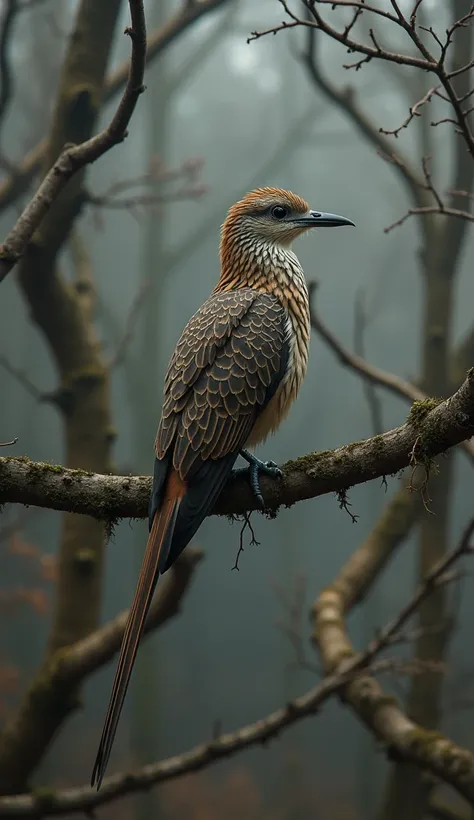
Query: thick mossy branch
110	497
403	739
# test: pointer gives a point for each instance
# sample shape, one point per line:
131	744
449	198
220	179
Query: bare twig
144	200
247	525
437	576
414	112
430	209
9	443
185	182
383	716
422	59
439	207
369	372
130	325
375	375
429	184
294	606
76	157
427	62
346	100
22	379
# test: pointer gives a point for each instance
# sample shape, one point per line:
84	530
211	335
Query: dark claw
256	466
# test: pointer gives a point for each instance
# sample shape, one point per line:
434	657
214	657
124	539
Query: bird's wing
227	365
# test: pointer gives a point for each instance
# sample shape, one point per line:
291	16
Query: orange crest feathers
262	198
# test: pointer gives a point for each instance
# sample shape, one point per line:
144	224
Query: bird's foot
254	470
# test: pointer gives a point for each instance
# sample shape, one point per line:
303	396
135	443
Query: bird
232	378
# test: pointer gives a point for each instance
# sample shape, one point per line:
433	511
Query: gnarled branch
382	715
432	428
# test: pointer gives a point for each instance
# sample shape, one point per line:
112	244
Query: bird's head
272	216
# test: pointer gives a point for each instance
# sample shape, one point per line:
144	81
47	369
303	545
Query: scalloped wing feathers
227	365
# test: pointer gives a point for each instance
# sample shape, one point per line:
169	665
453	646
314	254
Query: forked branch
73	158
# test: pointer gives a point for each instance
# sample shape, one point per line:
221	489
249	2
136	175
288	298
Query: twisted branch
431	428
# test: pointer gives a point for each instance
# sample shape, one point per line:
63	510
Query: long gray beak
319	219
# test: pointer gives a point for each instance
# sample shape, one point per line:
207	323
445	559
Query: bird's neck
262	266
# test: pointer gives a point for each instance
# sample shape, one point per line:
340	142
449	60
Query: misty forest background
220	117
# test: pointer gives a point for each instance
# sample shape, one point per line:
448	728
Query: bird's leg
256	466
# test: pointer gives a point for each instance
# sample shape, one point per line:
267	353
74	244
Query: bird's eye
279	212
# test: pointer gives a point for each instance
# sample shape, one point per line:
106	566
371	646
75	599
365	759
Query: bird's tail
156	554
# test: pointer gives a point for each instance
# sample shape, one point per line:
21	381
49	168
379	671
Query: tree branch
84	800
72	159
86	656
382	715
52	695
432	427
439	755
375	375
345	99
423	59
18	183
425	63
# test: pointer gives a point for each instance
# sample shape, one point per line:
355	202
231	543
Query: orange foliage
11	599
37	571
198	797
205	796
41	565
49	567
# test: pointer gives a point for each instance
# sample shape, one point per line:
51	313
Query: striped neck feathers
248	261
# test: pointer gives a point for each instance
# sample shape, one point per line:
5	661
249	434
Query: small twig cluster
153	189
439	206
426	50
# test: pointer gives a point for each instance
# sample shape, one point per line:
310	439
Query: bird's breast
279	406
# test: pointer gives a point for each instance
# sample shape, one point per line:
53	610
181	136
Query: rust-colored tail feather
156	553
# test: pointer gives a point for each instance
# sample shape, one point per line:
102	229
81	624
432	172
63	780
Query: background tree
110	268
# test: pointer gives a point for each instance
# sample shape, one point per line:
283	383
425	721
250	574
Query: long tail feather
156	555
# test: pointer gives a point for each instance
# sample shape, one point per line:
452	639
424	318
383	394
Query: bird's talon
255	468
